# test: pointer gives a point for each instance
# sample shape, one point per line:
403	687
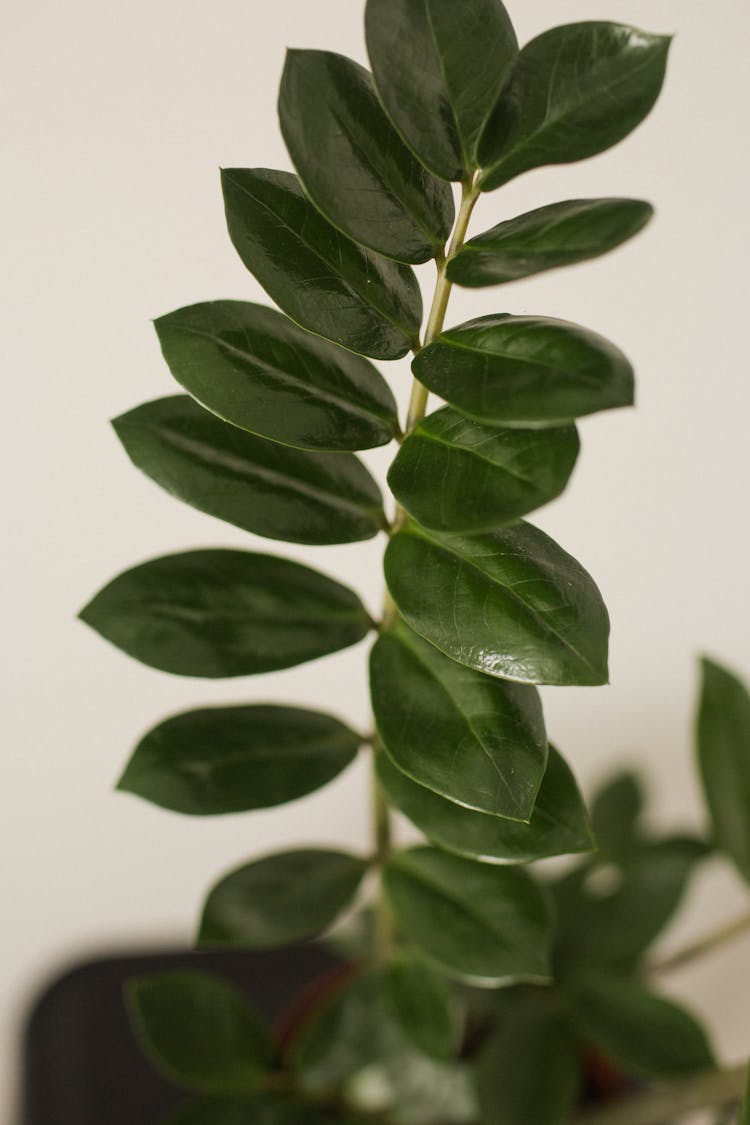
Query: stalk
384	935
706	944
713	1089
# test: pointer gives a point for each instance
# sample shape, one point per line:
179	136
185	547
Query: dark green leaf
529	1069
525	370
575	91
424	1005
256	369
355	1043
615	812
199	1031
477	740
258	485
510	603
352	162
218	613
231	759
560	234
440	105
264	1109
643	1032
609	914
280	899
489	926
488	476
318	276
723	736
559	825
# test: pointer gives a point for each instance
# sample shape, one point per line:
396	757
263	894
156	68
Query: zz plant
481	992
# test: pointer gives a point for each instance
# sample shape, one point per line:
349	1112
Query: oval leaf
489	926
280	899
615	816
523	370
256	369
440	106
488	476
232	759
354	165
318	276
258	485
646	1034
217	613
560	234
476	740
559	824
575	91
199	1031
723	736
510	603
424	1005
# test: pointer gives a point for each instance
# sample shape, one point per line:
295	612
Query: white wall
119	118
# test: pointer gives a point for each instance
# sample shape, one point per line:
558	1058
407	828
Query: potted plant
470	976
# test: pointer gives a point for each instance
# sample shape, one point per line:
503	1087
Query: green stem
657	1107
706	944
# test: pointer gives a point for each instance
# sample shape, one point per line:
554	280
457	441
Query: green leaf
529	1069
355	1043
424	1005
723	743
615	814
352	162
510	603
263	1109
217	613
646	1034
258	485
280	899
318	276
477	740
256	369
744	1118
525	370
575	91
487	476
609	914
489	926
232	759
199	1031
440	106
559	824
560	234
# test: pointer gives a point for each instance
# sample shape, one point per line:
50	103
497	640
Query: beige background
118	118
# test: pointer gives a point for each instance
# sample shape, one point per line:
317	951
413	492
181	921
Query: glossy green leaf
525	370
280	899
263	1109
574	91
355	1043
424	1005
318	276
352	162
489	926
559	824
441	105
560	234
258	485
488	476
723	737
199	1031
529	1070
256	369
218	613
477	740
510	603
643	1032
232	759
609	914
615	814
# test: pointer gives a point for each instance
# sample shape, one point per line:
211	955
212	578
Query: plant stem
706	944
659	1107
